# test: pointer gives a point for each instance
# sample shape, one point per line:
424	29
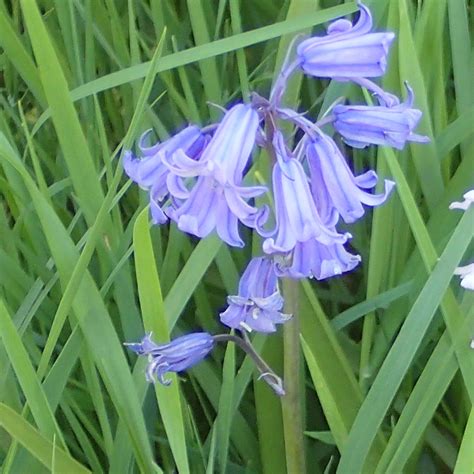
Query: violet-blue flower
259	302
362	125
178	355
297	217
218	199
347	51
313	259
149	171
211	206
228	151
332	178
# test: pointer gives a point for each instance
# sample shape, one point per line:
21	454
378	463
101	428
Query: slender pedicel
266	373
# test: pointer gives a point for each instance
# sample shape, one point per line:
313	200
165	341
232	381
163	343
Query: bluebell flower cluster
199	177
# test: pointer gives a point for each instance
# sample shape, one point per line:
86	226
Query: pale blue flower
178	355
466	274
151	174
297	217
211	206
362	125
259	303
313	259
227	153
218	200
347	51
334	184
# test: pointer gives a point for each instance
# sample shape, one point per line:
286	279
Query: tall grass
387	375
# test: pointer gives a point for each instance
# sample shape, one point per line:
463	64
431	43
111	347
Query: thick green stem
292	401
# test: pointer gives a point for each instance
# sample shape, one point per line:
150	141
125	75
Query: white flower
468	200
467	276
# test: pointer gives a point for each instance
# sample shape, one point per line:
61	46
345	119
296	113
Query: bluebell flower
227	153
150	173
259	302
334	184
467	201
313	259
211	206
218	200
178	355
362	125
297	217
347	51
466	274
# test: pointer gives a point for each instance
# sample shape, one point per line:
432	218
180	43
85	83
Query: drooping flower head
297	218
313	259
334	184
227	153
178	355
218	200
259	303
347	51
149	171
363	125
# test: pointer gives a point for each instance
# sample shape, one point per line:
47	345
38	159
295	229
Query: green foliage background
388	375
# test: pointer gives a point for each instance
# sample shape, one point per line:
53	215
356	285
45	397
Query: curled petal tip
274	382
463	205
348	51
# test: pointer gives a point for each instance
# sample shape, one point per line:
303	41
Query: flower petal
346	51
343	190
258	304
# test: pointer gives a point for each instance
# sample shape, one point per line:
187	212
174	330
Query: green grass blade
27	378
203	52
465	461
18	55
70	135
190	276
452	315
425	156
223	424
332	376
155	321
39	446
93	318
382	300
403	350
